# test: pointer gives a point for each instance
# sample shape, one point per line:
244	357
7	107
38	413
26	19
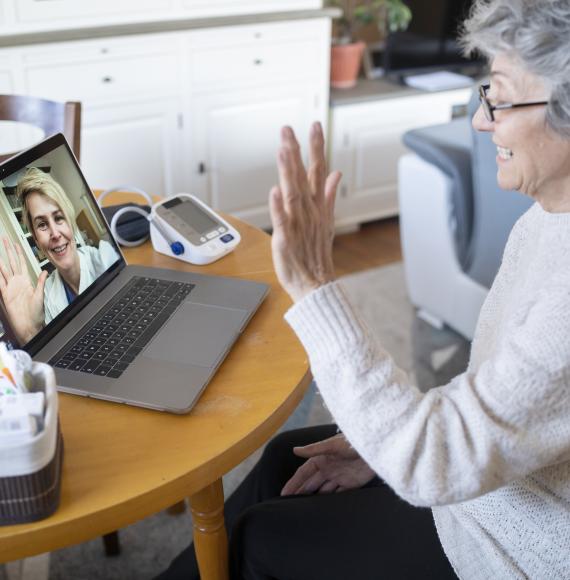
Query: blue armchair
454	220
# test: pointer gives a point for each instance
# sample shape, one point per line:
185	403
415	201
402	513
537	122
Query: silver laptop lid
48	217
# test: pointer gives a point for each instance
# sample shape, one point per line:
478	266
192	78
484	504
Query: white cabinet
36	11
198	111
103	76
235	143
3	19
6	77
130	89
366	143
245	84
136	144
40	15
222	7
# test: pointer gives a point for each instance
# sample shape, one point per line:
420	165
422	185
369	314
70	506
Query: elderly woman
50	217
490	451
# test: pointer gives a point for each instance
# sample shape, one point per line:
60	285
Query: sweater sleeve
458	441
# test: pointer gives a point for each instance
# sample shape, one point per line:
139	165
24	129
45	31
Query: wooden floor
375	244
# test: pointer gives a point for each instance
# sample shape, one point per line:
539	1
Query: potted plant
347	50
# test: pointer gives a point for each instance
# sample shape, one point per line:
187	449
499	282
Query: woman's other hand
332	466
302	214
24	304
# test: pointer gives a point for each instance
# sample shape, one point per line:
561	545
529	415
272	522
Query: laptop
143	336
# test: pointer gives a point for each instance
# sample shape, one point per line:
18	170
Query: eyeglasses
489	109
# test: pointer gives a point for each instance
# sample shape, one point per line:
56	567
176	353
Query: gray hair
537	33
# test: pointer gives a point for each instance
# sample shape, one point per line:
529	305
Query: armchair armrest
448	147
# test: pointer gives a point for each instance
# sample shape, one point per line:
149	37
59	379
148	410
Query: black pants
362	534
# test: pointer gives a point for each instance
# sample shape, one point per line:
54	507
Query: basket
30	472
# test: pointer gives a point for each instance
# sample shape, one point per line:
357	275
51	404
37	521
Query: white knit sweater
490	451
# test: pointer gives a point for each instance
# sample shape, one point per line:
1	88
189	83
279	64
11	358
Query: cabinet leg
210	538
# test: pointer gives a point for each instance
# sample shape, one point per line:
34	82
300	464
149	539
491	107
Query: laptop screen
55	244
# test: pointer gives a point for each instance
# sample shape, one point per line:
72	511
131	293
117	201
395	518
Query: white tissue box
30	471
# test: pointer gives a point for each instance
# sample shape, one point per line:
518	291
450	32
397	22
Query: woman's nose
54	233
480	121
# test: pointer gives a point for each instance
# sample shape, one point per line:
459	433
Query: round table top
124	463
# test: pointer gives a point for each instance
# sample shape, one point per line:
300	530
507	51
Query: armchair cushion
448	147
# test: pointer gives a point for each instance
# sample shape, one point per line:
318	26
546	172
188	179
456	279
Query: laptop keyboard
118	335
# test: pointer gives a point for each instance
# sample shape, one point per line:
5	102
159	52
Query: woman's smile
60	250
52	232
504	154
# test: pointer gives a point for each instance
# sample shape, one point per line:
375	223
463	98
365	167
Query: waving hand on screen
24	304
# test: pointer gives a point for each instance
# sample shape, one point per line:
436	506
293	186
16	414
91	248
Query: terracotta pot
345	64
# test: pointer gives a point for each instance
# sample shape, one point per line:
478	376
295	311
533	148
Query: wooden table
122	464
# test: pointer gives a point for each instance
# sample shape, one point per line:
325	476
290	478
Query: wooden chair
50	116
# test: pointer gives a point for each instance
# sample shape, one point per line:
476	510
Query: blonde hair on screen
35	180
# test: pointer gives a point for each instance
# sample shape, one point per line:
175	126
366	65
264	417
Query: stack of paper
439	81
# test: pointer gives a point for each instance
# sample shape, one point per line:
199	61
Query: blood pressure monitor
184	227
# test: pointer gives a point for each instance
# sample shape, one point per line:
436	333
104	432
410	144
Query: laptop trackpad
197	334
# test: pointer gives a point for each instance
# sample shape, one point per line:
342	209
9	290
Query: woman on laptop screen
50	217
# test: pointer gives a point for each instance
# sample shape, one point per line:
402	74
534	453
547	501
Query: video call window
54	244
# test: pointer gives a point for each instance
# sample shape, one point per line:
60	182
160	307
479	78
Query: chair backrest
50	116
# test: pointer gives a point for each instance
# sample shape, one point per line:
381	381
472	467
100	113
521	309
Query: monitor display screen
55	244
430	42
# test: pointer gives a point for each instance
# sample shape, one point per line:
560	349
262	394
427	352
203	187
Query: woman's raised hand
302	214
24	304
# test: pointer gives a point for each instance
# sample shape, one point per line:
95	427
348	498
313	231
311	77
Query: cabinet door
235	143
134	144
367	144
6	74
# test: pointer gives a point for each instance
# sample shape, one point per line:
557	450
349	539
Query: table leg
210	537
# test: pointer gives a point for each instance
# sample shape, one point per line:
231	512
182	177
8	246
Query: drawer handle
258	62
107	79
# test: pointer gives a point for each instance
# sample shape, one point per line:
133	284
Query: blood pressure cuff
131	226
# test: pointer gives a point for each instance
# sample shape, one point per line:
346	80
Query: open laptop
143	336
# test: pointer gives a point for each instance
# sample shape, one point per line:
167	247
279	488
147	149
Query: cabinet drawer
64	10
105	80
256	63
256	34
225	7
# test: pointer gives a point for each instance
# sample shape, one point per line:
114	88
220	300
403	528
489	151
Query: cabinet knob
201	168
107	80
258	62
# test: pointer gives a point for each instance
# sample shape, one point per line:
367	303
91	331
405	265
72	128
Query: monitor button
212	235
227	238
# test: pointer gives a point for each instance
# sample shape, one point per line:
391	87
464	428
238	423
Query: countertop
372	90
157	26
